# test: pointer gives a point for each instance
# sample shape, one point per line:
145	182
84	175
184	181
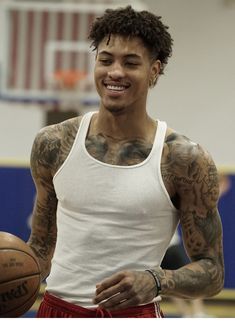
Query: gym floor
220	306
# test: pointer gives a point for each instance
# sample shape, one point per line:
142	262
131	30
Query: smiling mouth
115	87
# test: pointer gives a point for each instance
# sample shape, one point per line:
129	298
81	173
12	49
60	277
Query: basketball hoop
71	88
65	87
68	79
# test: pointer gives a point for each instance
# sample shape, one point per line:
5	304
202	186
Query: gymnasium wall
227	211
196	96
19	124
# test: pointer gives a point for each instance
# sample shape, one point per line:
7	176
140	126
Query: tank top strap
84	125
158	143
160	134
79	139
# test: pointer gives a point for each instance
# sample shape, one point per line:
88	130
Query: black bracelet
157	280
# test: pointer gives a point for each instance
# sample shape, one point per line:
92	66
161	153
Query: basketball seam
24	277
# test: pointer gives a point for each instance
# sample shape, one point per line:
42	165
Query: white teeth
115	87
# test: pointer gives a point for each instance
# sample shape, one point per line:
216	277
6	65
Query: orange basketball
19	276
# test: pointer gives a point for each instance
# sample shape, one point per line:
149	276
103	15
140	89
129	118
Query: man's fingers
105	294
111	287
116	300
119	302
124	289
109	282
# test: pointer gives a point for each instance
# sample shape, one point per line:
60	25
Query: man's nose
116	71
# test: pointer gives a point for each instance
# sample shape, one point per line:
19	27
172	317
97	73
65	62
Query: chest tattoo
124	153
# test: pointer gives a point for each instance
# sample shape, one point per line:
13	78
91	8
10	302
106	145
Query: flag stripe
28	49
13	45
75	37
43	40
59	36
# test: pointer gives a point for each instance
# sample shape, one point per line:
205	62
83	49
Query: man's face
122	73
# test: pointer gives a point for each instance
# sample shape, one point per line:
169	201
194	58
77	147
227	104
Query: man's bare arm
195	179
43	234
50	149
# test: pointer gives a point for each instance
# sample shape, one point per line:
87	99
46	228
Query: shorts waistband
65	306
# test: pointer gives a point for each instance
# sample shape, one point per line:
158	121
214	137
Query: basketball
19	276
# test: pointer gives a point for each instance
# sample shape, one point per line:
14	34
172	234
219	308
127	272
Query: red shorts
52	306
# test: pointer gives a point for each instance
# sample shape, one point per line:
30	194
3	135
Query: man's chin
115	110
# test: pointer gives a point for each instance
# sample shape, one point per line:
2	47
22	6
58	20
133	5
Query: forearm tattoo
194	177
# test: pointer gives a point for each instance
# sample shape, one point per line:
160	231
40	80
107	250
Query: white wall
18	127
196	96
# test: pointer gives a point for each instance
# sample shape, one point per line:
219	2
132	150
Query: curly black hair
128	22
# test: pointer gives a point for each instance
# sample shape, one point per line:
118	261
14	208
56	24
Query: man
112	186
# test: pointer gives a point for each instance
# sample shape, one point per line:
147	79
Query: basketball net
68	79
70	88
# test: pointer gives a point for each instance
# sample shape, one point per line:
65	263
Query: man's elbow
217	283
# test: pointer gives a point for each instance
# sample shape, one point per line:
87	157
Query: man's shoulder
184	152
184	156
179	143
53	143
63	129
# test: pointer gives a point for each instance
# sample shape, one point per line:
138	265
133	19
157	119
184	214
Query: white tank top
109	218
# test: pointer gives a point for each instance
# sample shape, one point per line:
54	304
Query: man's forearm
203	278
43	259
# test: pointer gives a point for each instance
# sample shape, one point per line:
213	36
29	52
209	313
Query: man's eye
131	64
105	61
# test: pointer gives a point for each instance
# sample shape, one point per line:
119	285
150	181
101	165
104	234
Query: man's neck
124	126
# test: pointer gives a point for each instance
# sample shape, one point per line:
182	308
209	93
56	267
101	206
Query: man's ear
155	72
156	67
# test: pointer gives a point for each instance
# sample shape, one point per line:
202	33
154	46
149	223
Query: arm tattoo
192	173
50	148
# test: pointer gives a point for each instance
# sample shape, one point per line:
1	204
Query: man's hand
125	289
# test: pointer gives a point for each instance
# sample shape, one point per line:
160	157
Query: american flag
29	33
31	29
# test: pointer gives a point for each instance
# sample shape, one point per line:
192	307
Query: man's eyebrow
131	55
103	52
